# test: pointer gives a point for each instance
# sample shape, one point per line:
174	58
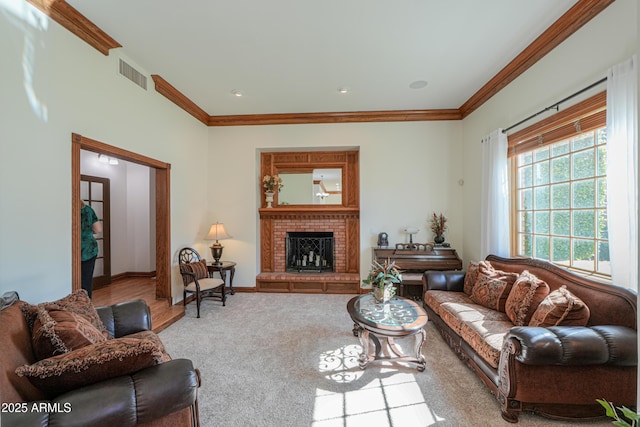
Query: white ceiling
291	56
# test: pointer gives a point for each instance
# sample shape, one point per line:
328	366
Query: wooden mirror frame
347	160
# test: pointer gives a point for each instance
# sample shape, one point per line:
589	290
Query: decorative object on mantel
383	278
217	232
438	226
271	183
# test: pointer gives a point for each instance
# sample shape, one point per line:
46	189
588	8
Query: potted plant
438	226
383	278
271	183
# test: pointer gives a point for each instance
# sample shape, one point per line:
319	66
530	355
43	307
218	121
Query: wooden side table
222	268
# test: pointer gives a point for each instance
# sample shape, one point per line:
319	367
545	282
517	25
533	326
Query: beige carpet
291	360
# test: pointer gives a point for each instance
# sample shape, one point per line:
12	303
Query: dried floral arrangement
272	183
438	224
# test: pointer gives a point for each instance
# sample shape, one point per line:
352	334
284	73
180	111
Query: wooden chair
196	278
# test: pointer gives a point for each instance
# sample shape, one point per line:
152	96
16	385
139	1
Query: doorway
162	208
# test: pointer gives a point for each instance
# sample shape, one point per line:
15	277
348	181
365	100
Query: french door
95	191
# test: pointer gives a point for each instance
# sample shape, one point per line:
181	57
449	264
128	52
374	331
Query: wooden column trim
76	256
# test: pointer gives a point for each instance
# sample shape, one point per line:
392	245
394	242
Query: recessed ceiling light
236	92
418	84
343	89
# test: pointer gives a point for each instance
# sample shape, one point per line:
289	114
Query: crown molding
67	16
578	15
164	88
335	117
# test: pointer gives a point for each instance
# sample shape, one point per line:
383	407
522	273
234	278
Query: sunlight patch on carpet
394	400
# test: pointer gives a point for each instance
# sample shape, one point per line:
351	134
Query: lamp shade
217	232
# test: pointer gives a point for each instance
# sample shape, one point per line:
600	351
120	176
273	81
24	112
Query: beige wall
407	171
53	84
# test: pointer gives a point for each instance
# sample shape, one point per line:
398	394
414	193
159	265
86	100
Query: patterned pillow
525	296
561	307
58	331
77	302
198	267
470	277
491	293
492	287
91	364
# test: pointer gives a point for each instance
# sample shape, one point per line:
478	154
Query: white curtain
494	231
622	172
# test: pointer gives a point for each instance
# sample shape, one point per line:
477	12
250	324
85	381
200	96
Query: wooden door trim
163	208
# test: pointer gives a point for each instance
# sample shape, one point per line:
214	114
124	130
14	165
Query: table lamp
217	232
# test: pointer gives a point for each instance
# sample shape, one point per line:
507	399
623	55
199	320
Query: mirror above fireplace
314	187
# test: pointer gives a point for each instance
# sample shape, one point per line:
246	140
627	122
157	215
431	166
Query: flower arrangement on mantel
272	183
383	278
438	224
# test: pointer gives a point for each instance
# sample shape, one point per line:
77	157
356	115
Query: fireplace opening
309	251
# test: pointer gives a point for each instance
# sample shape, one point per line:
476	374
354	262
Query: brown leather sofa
555	371
160	395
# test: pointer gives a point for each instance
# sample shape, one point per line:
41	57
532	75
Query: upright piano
413	259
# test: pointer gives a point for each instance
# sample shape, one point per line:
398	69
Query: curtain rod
556	106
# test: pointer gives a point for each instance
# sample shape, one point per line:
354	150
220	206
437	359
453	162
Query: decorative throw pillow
525	296
91	364
57	331
199	268
492	286
77	302
561	307
470	277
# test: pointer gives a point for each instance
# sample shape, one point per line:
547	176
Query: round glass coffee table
398	318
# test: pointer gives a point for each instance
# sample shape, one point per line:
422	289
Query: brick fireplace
344	223
343	220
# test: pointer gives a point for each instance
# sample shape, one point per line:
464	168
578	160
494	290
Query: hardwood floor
163	313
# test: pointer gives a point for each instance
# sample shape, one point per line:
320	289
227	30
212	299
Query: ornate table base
370	355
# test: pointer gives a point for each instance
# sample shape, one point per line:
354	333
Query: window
559	190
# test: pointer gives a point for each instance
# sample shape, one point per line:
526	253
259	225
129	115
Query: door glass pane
526	199
604	263
99	268
84	190
583	165
98	208
584	223
526	245
560	169
96	191
526	222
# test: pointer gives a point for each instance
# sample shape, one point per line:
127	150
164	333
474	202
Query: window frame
583	117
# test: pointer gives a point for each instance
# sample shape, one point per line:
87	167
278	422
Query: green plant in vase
383	278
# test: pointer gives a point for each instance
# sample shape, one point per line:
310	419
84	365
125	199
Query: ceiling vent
132	74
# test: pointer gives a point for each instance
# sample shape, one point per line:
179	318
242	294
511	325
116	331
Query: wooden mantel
307	212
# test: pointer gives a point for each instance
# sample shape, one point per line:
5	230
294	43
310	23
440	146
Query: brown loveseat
557	368
111	392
